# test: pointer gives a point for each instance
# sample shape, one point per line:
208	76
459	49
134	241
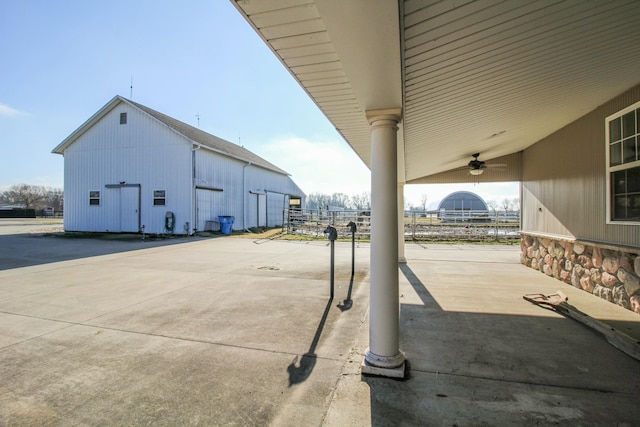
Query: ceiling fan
477	167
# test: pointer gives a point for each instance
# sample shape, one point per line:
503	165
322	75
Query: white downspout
244	197
194	198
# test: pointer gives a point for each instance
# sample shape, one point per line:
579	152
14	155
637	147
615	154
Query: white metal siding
208	204
214	170
144	152
127	162
564	181
238	180
256	215
277	188
275	207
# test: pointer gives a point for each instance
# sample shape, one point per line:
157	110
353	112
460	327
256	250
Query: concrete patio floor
230	331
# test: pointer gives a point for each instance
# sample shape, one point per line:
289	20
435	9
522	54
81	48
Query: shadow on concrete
301	367
348	302
418	286
25	250
484	368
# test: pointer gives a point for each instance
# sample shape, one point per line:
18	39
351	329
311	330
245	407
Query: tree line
33	197
341	201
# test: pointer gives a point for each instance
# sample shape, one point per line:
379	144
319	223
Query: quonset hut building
463	206
130	169
463	201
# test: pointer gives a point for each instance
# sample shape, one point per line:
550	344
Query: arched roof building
463	201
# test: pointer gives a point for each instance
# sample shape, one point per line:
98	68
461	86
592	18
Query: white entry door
129	207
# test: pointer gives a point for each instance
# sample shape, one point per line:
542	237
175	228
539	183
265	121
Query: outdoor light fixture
475	171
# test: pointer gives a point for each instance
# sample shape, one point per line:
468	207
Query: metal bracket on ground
558	302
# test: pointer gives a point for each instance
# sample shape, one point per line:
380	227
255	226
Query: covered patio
429	91
479	354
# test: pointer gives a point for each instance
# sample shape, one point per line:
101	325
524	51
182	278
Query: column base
402	260
383	366
369	369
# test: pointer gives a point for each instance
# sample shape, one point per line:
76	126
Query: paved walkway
241	332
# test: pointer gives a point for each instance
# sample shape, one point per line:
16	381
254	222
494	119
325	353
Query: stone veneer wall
610	274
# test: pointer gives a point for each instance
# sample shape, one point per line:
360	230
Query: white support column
383	357
401	258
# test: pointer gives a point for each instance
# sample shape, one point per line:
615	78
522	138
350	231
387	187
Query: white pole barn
132	169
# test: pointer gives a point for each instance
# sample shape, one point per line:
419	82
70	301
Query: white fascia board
59	149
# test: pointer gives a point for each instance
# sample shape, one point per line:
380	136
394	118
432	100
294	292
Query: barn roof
194	134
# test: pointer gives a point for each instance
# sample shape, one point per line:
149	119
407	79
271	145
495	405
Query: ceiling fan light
475	171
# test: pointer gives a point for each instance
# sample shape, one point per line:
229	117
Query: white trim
610	169
153	201
99	198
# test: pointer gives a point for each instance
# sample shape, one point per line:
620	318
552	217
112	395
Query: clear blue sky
62	60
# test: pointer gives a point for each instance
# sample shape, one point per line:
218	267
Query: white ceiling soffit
500	169
339	51
485	76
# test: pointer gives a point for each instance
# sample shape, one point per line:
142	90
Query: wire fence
418	225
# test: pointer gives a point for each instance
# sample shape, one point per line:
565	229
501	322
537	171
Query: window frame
622	166
163	198
123	118
92	197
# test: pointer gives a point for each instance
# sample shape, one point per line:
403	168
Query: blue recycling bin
226	224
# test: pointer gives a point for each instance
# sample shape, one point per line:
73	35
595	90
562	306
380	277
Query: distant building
463	201
463	206
130	169
16	211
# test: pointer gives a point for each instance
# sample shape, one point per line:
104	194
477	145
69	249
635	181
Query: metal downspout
194	198
244	197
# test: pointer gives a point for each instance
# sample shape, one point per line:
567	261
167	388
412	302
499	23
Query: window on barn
623	165
159	198
94	198
123	118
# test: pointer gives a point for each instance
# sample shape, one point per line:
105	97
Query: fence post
413	225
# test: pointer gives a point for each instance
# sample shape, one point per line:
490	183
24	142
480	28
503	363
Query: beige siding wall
564	181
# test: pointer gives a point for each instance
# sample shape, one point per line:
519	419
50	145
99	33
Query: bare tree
423	202
326	201
33	197
30	196
515	204
361	201
317	201
506	204
54	198
493	205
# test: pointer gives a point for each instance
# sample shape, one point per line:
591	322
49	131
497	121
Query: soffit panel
495	78
297	33
477	76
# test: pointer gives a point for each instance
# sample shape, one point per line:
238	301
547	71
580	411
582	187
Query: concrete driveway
230	331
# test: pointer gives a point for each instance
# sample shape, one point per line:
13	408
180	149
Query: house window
94	198
623	165
123	118
159	198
